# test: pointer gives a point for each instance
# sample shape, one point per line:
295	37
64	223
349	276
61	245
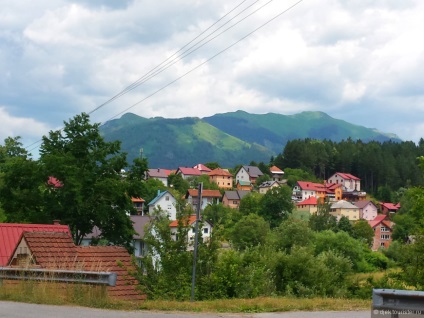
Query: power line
211	58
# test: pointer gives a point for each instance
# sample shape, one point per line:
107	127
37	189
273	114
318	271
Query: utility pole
196	240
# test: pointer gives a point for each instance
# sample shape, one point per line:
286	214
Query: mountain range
230	138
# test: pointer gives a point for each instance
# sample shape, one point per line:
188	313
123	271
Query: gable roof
137	200
158	173
276	170
10	234
346	176
53	250
252	171
205	193
202	168
308	201
363	204
390	206
220	172
377	220
159	196
139	224
189	171
236	195
244	183
342	204
310	186
267	184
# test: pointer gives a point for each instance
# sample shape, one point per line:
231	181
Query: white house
166	202
348	181
208	197
204	231
159	174
248	173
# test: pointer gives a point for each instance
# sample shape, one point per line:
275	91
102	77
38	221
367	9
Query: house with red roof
388	208
309	205
348	181
202	168
204	231
303	190
222	177
138	204
208	197
383	229
10	234
56	250
159	174
188	172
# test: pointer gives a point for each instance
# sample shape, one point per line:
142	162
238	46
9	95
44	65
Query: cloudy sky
357	60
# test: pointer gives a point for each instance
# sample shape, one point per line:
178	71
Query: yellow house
344	208
309	205
222	178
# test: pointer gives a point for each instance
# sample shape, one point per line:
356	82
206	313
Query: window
169	206
234	202
167	198
384	229
382	245
385	236
205	230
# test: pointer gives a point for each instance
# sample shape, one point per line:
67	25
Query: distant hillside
230	138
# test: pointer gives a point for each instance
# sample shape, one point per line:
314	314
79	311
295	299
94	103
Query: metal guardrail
69	276
397	303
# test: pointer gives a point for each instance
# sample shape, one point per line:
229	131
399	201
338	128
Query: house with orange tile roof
309	205
56	250
276	174
222	178
138	204
10	234
209	197
205	230
383	229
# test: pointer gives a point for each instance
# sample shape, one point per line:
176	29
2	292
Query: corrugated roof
390	206
10	234
244	183
310	186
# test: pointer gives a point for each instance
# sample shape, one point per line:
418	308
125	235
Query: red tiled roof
202	168
114	259
189	171
137	200
390	206
205	193
377	220
10	234
190	220
347	176
308	201
311	186
54	182
220	172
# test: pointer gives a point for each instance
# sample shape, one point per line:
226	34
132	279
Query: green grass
95	296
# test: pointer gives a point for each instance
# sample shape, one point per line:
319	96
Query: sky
357	60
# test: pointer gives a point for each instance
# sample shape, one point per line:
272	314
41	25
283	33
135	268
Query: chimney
158	192
56	222
158	169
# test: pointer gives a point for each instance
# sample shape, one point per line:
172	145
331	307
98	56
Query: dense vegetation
264	248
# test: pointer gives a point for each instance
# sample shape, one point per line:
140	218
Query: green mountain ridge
229	139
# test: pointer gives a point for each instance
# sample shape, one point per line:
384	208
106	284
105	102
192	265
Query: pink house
367	210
